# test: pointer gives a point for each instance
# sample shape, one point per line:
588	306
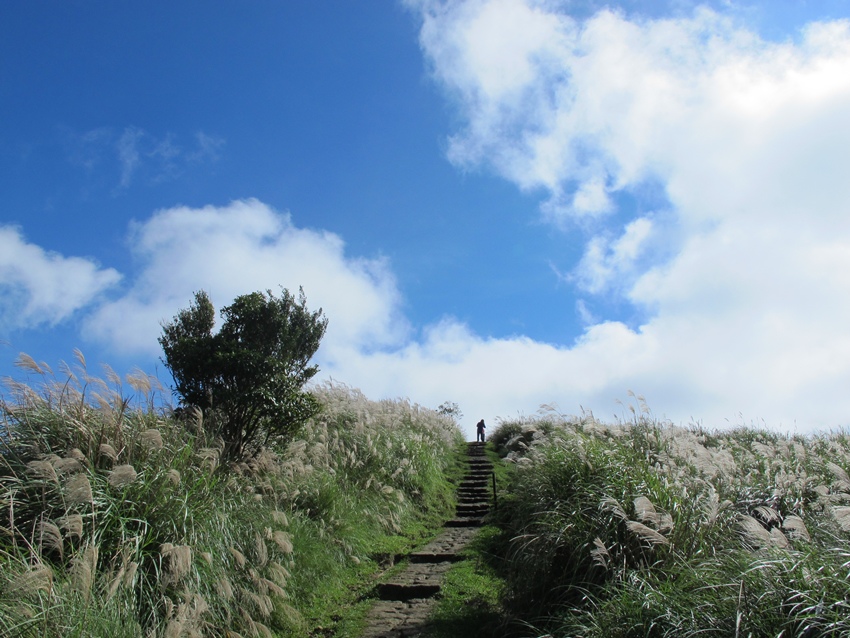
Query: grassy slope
645	529
116	520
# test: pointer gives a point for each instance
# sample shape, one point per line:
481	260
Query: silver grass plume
26	362
262	550
612	505
83	570
268	586
72	524
842	481
281	539
130	573
151	439
42	470
224	588
599	554
117	580
279	573
108	451
262	603
139	381
766	514
778	539
644	509
51	538
756	533
210	456
646	534
68	465
795	527
841	514
122	476
178	560
78	489
38	578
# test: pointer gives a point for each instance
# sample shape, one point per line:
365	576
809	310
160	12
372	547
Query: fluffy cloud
238	248
43	288
744	270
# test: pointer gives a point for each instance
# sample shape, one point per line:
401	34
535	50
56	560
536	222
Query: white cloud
747	277
140	154
128	153
40	287
607	262
239	248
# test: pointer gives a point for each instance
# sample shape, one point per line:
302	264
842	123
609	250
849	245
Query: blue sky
500	203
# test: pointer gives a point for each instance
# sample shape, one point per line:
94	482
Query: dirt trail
407	597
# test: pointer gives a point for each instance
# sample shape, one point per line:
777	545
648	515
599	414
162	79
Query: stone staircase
474	494
406	598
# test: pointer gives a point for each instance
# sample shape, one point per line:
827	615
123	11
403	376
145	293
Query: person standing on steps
479	431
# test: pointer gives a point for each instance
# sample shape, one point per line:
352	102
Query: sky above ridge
499	203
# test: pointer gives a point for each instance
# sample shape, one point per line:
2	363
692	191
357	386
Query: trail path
406	598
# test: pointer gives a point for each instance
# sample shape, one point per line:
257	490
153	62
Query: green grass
646	529
117	518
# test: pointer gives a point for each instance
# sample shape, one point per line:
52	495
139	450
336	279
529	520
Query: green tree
248	378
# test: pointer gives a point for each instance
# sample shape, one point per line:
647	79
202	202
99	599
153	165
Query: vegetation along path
407	597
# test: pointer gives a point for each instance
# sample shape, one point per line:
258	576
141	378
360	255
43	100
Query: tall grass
642	528
117	518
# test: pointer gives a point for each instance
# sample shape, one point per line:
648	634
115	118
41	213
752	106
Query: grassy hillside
117	519
645	529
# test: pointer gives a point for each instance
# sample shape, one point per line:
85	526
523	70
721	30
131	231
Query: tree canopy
248	377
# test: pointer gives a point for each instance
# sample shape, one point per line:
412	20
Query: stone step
416	580
444	548
464	521
473	496
442	557
396	591
399	619
405	600
474	503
